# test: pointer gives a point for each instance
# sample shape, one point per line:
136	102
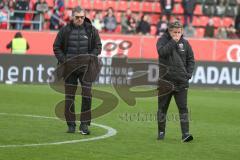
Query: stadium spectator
78	44
189	7
221	32
21	7
220	8
167	7
2	4
189	30
11	7
124	24
162	26
176	53
125	16
3	15
110	22
231	32
58	10
55	20
59	5
41	7
209	29
27	24
19	44
128	23
144	26
237	22
133	25
231	8
129	14
97	21
208	7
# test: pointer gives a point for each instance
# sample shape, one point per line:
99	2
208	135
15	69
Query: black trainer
187	138
84	129
71	129
161	136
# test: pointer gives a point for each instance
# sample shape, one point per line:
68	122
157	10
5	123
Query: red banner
132	46
228	50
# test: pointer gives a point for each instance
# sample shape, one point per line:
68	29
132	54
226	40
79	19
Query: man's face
78	18
176	33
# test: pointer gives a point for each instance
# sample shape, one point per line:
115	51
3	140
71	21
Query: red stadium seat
157	7
153	30
198	10
200	32
227	21
48	14
217	21
3	25
86	4
135	6
178	1
215	31
122	5
92	15
50	3
46	25
203	20
33	1
118	29
178	9
181	18
154	19
67	14
178	17
113	4
118	16
147	6
71	4
98	5
196	21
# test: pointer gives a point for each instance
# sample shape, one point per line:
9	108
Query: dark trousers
71	85
168	14
188	18
181	101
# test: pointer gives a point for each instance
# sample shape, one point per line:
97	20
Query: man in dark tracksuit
75	45
176	54
188	7
167	8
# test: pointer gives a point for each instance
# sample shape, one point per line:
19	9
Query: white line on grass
110	132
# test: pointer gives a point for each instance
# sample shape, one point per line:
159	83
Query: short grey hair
78	9
175	24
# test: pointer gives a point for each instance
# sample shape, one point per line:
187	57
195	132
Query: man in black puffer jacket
176	54
76	47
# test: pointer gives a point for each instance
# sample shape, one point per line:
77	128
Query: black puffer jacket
61	44
77	42
178	58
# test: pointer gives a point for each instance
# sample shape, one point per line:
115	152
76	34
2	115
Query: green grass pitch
215	125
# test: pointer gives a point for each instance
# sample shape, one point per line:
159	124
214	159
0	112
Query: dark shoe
71	129
84	129
187	138
161	136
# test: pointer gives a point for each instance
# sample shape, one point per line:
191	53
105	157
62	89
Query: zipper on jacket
90	42
78	40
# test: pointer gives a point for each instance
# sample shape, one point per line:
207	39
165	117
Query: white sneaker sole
84	133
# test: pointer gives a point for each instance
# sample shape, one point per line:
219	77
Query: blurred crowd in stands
201	18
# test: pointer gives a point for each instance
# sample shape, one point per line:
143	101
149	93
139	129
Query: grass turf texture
214	125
